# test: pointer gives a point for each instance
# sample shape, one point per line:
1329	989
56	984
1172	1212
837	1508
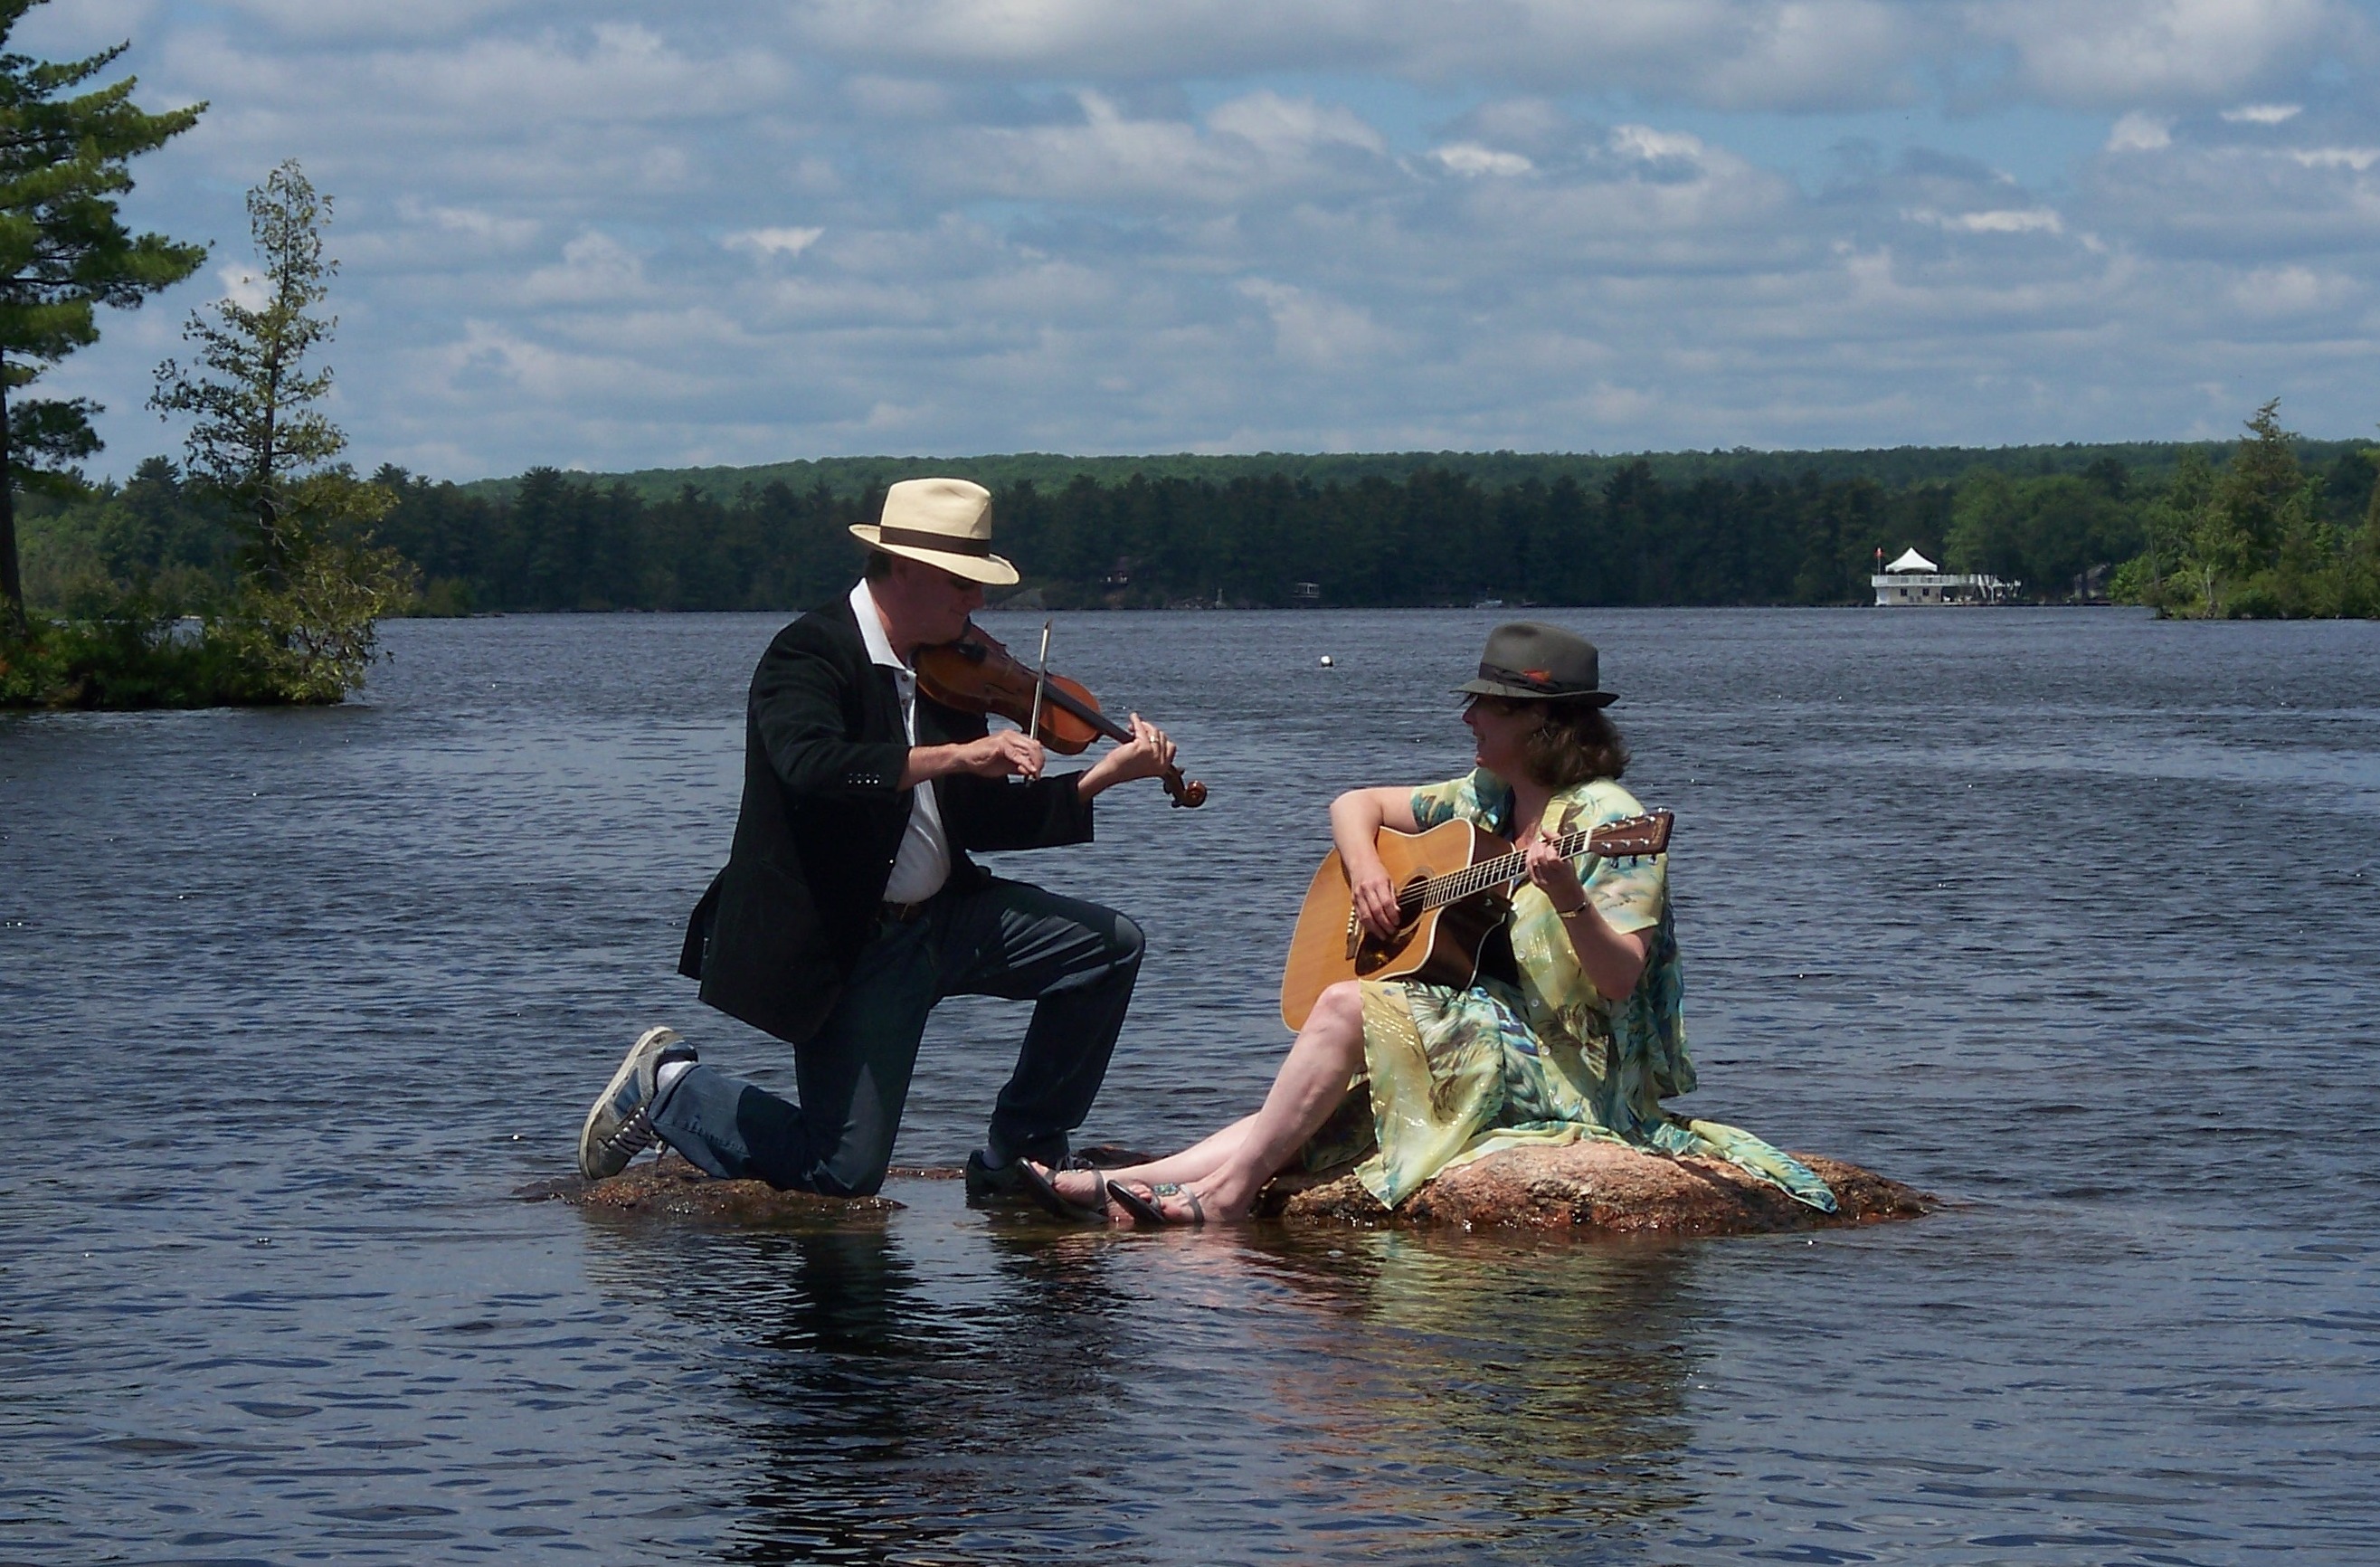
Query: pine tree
316	582
251	395
63	253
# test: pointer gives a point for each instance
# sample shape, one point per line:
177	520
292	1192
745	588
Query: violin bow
1040	684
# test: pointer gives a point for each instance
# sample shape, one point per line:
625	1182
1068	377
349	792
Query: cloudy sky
614	236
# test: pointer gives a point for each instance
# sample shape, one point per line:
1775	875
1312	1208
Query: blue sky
612	236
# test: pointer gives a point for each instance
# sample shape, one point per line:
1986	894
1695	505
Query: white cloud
347	19
1471	158
1808	52
1658	146
243	286
2268	292
1291	126
2356	158
1261	144
595	269
2113	51
2141	133
2003	220
1316	331
2263	114
774	241
498	230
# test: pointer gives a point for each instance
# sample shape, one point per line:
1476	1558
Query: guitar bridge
1355	935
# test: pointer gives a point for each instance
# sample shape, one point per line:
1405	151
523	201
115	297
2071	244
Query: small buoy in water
1327	662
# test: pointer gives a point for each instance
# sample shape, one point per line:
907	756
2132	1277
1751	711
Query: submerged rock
1605	1189
669	1186
1586	1188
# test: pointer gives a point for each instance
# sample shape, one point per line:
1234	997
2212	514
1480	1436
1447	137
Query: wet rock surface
1585	1187
1604	1189
669	1187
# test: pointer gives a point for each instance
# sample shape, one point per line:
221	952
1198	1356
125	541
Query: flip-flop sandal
1146	1214
1045	1193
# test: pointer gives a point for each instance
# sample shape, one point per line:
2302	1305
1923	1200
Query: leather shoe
1002	1185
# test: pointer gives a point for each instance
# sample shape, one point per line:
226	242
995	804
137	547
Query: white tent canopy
1912	561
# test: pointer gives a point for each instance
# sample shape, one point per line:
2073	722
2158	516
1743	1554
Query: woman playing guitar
1569	1029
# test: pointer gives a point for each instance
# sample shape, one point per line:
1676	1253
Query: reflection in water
933	1385
1535	1391
892	1407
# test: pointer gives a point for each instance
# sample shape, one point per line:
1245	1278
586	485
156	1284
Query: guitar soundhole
1370	953
1376	954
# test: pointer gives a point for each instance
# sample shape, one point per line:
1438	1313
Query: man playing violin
849	907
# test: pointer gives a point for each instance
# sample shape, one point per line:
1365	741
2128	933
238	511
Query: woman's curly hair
1577	741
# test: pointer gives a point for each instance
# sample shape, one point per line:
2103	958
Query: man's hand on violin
1003	754
1147	754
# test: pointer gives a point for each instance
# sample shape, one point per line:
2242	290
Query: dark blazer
823	815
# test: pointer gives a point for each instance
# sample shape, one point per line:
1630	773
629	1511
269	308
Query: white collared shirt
924	862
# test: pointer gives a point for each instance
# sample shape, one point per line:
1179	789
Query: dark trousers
1075	960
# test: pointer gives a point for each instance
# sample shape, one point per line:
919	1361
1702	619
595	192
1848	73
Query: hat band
917	540
1530	678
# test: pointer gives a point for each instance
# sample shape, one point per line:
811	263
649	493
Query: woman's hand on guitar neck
1555	877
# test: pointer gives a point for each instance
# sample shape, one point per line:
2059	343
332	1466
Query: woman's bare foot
1159	1202
1086	1188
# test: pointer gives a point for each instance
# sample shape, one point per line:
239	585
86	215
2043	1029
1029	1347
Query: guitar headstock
1632	838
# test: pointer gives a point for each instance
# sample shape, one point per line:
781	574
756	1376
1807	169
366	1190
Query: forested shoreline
2273	526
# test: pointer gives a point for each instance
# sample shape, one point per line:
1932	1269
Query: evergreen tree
317	582
63	253
254	431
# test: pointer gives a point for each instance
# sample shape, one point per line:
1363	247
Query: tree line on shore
2254	533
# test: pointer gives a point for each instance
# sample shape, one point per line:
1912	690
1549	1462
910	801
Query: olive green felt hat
1526	662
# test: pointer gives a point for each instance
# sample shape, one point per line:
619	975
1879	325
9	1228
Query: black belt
901	914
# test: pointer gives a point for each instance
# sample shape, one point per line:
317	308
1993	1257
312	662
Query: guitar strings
1455	885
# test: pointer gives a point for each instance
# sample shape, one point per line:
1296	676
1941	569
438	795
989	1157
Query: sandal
1148	1213
1034	1184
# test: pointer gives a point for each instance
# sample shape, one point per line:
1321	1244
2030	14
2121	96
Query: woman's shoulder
1598	801
1478	795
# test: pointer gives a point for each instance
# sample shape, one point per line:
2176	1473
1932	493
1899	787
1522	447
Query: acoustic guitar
1451	886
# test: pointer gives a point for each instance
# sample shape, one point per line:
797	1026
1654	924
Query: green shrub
305	642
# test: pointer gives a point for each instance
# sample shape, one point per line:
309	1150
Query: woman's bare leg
1239	1159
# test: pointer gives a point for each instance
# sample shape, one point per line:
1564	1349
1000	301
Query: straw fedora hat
945	522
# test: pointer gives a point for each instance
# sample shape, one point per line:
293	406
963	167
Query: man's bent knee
1126	944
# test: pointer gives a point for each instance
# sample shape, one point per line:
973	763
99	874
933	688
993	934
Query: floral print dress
1455	1074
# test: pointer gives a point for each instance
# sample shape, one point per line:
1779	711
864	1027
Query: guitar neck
1501	871
1640	835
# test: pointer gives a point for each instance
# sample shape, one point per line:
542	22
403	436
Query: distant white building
1913	579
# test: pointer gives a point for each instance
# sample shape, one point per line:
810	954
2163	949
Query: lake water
2071	916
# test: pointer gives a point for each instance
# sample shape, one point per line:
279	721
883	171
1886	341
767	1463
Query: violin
976	674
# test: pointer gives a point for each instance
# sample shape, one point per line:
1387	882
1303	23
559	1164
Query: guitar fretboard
1505	870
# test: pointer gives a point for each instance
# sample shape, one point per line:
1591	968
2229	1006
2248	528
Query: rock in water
670	1186
1602	1188
1585	1188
